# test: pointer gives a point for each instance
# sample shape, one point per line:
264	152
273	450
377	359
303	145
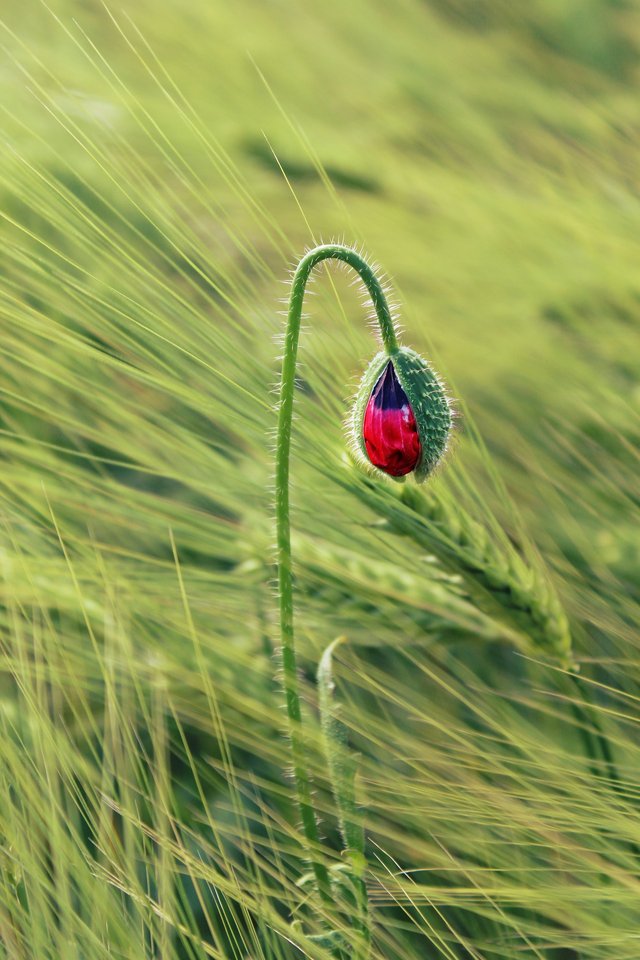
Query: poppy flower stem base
283	527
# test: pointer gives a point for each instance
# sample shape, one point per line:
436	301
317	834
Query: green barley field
164	167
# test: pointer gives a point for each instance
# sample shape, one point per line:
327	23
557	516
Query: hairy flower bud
402	418
389	429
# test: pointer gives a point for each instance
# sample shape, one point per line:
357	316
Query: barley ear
496	576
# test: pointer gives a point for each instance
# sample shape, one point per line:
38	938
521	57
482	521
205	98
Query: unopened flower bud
402	418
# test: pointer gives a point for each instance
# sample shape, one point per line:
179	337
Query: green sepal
369	379
428	399
430	404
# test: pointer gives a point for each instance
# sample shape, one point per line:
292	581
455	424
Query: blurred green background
163	166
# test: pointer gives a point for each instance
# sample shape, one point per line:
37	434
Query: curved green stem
285	585
343	766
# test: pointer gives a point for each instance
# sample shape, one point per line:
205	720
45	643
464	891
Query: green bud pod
402	417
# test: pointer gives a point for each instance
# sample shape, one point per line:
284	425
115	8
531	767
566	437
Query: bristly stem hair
283	526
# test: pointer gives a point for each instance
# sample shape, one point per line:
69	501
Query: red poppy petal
389	430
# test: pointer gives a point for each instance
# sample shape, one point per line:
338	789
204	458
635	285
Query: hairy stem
283	527
343	764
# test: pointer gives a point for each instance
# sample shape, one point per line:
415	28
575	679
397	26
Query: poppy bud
402	417
389	429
